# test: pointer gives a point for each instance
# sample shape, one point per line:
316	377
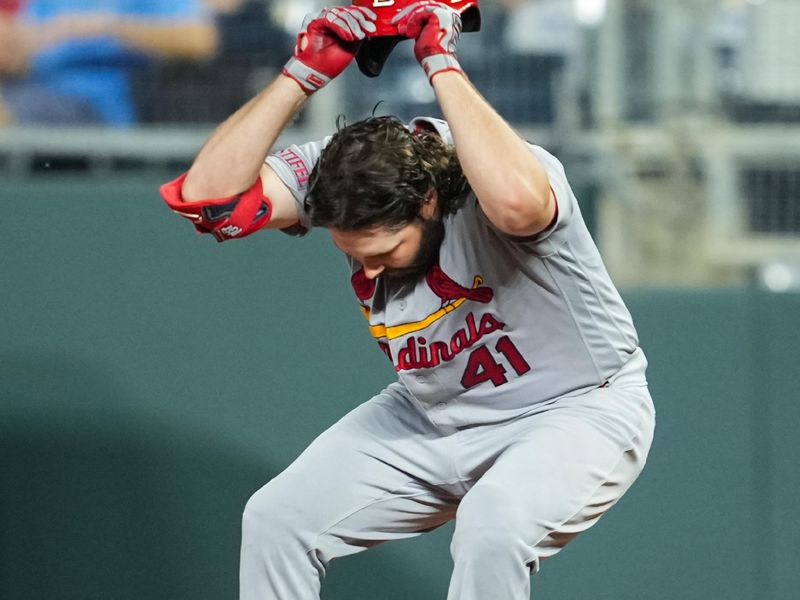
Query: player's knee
258	514
268	519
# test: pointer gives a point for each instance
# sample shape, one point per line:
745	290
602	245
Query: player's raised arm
511	185
229	191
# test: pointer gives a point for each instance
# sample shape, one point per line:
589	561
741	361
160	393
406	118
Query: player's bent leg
355	486
569	466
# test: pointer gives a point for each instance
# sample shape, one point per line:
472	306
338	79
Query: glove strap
439	63
306	77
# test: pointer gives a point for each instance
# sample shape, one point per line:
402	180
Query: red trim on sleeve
555	213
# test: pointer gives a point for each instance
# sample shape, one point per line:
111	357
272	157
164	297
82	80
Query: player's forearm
232	157
509	182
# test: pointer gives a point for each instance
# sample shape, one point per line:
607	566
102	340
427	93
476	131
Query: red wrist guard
224	218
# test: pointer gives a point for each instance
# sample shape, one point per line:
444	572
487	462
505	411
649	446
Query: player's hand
328	43
436	28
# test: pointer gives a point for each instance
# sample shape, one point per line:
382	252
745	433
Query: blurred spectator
249	32
252	48
74	59
9	42
9	7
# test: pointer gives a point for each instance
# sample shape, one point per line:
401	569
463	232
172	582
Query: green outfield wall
152	379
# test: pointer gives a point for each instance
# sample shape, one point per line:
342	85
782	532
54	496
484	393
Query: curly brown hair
377	172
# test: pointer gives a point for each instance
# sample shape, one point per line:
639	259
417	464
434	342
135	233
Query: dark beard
427	255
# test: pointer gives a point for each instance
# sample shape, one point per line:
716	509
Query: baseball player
520	409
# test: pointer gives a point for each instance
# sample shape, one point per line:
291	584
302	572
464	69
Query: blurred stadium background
151	380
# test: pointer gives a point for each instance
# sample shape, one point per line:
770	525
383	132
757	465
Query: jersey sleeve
566	204
293	166
567	210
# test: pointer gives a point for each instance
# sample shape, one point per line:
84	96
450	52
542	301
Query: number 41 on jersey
482	365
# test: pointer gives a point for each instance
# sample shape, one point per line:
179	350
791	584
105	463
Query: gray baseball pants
519	490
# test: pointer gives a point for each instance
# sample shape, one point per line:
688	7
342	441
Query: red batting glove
328	43
436	28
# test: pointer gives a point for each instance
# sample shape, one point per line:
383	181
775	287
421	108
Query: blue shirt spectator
86	50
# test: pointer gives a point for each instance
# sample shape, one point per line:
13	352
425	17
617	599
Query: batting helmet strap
374	51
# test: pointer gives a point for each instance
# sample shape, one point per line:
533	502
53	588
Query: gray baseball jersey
502	325
525	337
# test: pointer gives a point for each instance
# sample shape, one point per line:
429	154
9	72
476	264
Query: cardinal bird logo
363	287
450	292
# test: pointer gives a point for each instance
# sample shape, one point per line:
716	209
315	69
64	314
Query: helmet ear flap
372	54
